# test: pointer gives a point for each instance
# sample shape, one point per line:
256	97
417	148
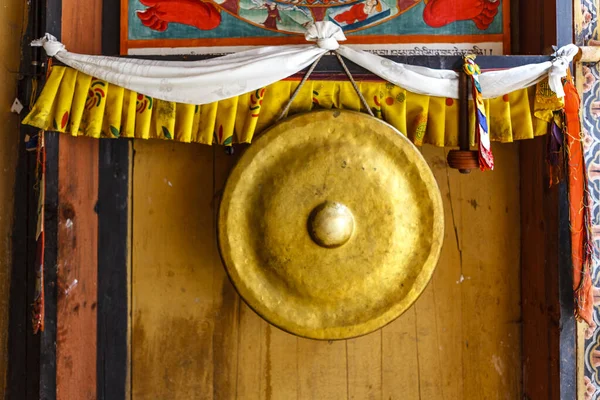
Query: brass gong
331	224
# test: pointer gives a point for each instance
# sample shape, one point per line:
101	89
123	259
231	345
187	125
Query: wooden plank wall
539	30
192	337
539	275
78	229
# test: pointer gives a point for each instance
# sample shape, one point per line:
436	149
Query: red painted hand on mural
442	12
160	13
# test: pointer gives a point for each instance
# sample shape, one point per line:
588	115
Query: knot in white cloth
326	34
50	44
560	64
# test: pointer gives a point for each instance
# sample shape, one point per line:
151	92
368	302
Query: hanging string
354	85
304	79
285	110
38	306
38	298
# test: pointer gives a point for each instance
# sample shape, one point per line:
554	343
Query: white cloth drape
207	81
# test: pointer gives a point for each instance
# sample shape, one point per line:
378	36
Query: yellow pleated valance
78	104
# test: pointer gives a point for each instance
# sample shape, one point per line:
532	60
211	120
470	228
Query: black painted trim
47	370
53	18
31	358
111	27
16	381
113	257
48	337
51	23
567	323
23	346
329	63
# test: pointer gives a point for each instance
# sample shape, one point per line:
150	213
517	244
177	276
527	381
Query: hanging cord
354	85
307	75
304	79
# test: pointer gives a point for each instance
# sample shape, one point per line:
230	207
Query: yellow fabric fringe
74	103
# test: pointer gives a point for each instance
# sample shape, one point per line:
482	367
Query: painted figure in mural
359	12
292	16
272	16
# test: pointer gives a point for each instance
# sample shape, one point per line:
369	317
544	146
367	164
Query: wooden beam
77	268
113	269
78	229
47	367
547	295
536	22
567	359
539	294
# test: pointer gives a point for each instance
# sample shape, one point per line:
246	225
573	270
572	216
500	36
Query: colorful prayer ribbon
486	158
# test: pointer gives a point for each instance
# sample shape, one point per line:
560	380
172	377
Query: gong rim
332	332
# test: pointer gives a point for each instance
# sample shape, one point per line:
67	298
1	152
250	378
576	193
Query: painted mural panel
413	27
587	34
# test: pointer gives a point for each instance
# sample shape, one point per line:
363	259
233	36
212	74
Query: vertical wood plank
48	356
365	367
491	265
82	26
428	346
567	363
539	280
78	229
113	269
322	369
251	343
173	273
581	390
226	299
280	364
537	26
445	293
438	323
400	369
77	268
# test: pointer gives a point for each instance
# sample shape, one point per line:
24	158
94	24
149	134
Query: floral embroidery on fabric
64	120
377	109
143	103
420	128
96	93
256	100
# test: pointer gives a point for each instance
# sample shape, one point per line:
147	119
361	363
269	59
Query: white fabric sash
207	81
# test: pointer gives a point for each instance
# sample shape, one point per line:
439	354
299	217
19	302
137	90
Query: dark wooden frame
549	327
113	263
549	332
